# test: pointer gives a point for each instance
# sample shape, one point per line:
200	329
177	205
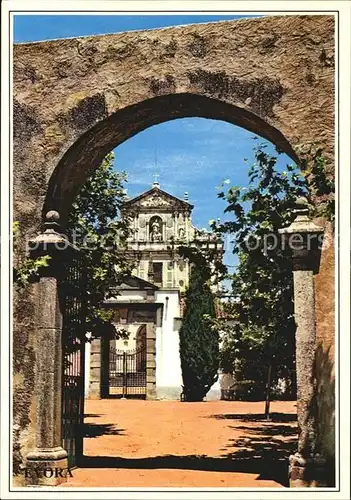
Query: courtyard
214	444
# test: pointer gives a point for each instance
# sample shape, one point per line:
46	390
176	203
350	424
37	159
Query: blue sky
32	28
189	154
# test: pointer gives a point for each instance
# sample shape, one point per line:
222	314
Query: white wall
214	393
168	370
87	368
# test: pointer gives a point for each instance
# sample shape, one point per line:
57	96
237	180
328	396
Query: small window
157	272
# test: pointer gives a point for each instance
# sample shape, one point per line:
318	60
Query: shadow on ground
96	430
257	417
263	450
268	470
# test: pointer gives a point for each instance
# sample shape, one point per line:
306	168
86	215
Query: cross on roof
156	183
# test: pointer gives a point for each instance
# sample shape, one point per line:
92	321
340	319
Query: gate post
124	388
150	361
96	364
46	464
304	238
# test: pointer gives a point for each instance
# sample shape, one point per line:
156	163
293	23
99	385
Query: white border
183	7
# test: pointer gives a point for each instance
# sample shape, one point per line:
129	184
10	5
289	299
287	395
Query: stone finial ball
302	201
52	216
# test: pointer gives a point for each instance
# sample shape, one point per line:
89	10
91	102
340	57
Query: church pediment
157	198
135	283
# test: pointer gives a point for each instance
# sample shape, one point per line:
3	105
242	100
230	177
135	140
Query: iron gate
73	345
127	373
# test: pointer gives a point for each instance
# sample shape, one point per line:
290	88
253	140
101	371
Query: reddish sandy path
173	444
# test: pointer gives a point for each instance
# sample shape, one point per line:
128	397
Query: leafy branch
26	269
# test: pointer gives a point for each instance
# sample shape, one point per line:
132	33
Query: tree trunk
268	390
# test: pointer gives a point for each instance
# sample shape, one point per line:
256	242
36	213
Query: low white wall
87	368
168	370
214	393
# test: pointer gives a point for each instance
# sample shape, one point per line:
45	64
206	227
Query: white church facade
149	305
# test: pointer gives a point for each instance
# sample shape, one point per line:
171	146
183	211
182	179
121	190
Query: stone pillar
304	239
150	361
48	456
95	370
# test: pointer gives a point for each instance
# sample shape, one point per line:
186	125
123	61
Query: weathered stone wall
24	393
76	99
325	348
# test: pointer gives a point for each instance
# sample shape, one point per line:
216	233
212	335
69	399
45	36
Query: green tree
259	342
199	339
95	225
263	336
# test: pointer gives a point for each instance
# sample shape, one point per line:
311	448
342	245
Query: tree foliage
260	332
319	176
264	328
25	269
96	227
199	340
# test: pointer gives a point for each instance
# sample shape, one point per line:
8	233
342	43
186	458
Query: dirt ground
215	444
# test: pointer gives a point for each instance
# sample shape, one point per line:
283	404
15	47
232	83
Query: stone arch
140	348
76	99
86	153
140	337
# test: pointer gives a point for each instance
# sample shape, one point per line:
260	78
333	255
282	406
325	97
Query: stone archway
76	99
80	160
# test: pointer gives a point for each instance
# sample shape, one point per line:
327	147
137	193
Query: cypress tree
199	342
